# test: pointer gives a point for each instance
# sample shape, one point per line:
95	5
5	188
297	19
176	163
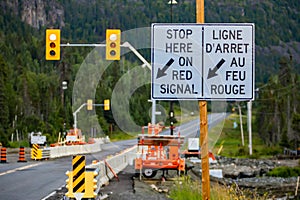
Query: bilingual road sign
202	61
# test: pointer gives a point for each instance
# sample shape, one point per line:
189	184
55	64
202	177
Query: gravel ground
128	188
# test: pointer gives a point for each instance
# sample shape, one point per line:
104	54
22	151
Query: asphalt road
37	179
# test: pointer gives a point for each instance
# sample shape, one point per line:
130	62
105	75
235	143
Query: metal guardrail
38	153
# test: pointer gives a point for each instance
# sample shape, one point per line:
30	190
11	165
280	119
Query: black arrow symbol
162	72
212	72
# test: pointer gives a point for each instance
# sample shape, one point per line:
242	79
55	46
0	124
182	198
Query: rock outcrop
36	13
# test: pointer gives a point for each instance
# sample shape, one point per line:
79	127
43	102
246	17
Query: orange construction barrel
22	155
3	155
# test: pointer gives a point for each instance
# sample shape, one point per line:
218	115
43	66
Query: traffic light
113	41
52	44
106	104
89	104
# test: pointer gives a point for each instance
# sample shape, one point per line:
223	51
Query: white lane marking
52	193
20	168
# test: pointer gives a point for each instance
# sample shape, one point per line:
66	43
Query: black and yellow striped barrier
36	152
78	164
82	181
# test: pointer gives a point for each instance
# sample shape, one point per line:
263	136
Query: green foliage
278	108
31	97
186	189
284	172
231	141
242	151
118	135
22	143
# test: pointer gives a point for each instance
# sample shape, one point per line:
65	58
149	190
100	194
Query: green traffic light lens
52	53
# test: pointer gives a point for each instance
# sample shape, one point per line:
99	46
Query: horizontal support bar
87	45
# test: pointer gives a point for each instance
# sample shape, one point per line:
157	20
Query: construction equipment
158	152
194	149
74	137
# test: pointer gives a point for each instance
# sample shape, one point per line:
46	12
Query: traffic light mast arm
125	44
82	105
128	45
75	115
82	45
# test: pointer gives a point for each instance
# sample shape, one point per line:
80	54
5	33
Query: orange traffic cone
3	155
22	155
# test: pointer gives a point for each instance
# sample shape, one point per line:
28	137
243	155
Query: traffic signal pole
203	123
75	115
125	45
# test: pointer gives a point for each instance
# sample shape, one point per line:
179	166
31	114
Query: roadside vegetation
285	172
188	189
116	136
229	144
230	141
31	96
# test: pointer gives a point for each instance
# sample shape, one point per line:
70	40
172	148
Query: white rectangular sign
202	61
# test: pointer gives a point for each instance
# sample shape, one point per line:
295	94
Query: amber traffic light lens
113	45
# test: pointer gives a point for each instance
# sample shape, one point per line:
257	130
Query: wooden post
203	123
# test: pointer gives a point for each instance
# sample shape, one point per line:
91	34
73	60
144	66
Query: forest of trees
278	107
31	94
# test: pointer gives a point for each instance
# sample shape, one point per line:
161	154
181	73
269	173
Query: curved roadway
37	179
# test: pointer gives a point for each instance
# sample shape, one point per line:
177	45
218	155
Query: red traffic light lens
52	45
52	53
112	52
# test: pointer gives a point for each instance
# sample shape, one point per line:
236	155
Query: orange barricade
22	155
3	155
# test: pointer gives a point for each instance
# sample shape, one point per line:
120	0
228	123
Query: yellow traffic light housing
89	104
106	104
113	42
53	44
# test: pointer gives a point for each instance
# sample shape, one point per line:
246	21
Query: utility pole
171	113
203	123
